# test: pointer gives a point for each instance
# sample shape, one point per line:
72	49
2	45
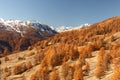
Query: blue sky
60	12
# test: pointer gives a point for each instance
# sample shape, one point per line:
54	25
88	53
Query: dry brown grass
31	53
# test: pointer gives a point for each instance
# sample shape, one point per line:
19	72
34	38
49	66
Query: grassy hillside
87	54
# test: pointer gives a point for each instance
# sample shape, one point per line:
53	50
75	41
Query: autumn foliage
55	75
28	65
20	68
6	72
115	54
103	63
6	58
78	74
64	56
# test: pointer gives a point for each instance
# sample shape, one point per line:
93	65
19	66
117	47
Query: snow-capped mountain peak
1	20
21	26
67	28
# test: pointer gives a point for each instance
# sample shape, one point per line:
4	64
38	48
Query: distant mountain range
66	28
21	26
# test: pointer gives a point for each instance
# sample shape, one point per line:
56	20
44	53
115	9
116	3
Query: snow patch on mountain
67	28
1	20
21	26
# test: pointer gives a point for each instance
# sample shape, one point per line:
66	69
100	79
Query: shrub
86	68
81	59
116	61
20	68
88	51
52	57
65	69
33	77
38	58
35	62
29	65
98	44
107	60
6	72
30	48
115	52
30	54
43	73
6	58
55	75
21	58
102	63
99	72
70	73
73	52
116	74
78	74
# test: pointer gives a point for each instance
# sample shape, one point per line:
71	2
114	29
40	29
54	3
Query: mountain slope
99	43
17	35
91	53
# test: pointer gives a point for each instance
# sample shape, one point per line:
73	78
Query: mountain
21	26
91	53
65	28
16	35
